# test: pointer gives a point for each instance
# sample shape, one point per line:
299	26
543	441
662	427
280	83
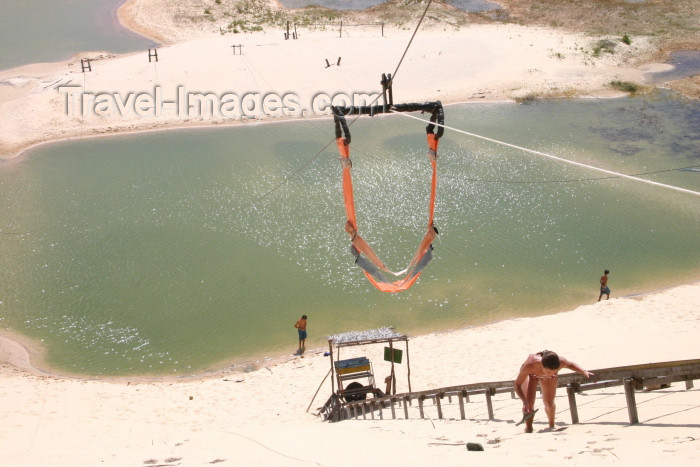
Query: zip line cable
318	154
557	158
574	180
393	76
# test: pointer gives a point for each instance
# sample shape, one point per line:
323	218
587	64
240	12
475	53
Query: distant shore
125	15
50	102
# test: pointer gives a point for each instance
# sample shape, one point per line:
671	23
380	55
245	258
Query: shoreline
234	418
562	64
26	354
20	155
124	15
35	106
263	412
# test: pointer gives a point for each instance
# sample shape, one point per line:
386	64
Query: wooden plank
631	402
682	370
619	373
439	406
599	385
393	410
671	379
648	370
461	406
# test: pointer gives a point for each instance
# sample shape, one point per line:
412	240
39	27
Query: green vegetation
553	93
603	46
232	16
674	25
628	87
526	99
241	25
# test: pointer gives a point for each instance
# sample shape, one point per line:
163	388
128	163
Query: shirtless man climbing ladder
541	367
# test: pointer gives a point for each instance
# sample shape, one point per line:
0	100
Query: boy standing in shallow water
542	368
604	290
301	327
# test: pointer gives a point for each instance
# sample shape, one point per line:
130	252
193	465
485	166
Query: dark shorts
605	291
302	334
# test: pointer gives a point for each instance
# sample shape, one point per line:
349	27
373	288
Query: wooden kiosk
353	378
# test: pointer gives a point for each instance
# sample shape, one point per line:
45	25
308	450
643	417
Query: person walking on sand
301	327
541	368
604	289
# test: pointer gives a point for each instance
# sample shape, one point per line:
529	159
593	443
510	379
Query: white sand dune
261	418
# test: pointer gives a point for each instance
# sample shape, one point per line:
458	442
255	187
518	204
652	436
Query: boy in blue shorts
301	327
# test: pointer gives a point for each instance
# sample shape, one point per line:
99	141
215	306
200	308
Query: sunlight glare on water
175	252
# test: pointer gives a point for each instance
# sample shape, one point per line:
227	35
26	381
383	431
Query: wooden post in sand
461	404
489	403
571	390
439	405
630	383
293	35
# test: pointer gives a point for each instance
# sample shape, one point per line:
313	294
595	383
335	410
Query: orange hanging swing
370	263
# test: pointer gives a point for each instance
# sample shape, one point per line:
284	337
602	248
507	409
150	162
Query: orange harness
365	257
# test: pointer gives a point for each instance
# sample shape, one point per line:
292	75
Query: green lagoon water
159	253
34	31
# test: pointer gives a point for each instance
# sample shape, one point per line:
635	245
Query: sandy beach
206	81
261	417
